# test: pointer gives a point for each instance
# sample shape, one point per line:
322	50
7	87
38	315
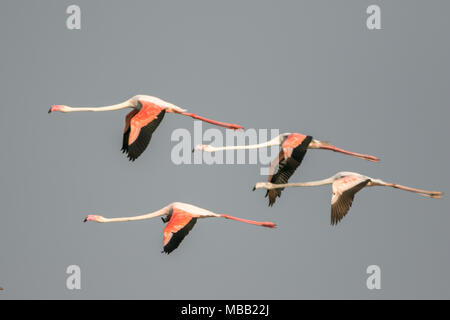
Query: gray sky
300	66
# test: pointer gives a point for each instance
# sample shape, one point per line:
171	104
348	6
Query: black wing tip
141	144
130	157
167	250
178	237
334	220
335	223
272	197
337	218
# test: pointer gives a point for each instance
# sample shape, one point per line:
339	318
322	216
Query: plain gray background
300	66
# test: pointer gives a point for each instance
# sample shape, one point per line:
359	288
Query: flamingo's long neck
113	107
305	184
217	123
262	224
274	142
155	214
327	146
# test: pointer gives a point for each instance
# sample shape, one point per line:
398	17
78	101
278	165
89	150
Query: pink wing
177	229
139	127
344	190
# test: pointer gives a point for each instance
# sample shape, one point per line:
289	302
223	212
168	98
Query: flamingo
142	121
181	218
293	150
344	187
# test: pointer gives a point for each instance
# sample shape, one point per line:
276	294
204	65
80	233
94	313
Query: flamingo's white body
344	186
181	218
144	118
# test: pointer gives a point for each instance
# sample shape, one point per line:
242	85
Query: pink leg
263	224
425	193
358	155
222	124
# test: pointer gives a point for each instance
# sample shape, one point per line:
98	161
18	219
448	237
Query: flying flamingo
344	187
293	150
181	218
142	121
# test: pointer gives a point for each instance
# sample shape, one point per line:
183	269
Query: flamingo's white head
93	217
262	185
60	108
204	147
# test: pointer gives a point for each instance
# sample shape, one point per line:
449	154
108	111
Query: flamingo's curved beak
91	217
56	108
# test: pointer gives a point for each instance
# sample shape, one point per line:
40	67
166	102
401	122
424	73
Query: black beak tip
193	149
85	219
254	188
50	110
